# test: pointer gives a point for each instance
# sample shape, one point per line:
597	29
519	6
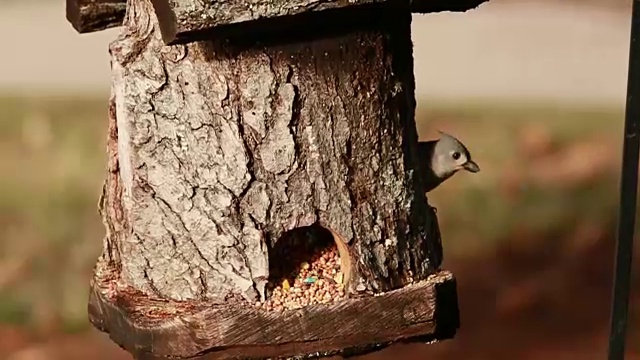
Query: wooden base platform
155	329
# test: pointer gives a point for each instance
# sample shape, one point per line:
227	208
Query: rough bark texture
425	311
95	15
219	149
98	15
222	149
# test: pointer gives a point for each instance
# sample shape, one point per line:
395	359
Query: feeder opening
307	266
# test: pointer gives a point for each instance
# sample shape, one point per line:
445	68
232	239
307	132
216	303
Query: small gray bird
445	157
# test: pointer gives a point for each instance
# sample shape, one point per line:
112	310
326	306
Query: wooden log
152	328
95	15
220	149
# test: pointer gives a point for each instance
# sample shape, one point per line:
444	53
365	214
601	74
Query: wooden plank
94	15
183	21
157	329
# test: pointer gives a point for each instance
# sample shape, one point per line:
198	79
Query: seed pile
317	281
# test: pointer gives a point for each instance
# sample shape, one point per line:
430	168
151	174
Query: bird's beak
471	166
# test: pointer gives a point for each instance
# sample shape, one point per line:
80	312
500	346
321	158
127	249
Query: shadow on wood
96	15
304	245
149	328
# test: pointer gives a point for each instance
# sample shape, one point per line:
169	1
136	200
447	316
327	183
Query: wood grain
95	15
199	330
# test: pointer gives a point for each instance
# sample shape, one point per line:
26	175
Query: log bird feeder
242	134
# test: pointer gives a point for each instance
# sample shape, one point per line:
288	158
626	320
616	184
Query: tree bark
219	148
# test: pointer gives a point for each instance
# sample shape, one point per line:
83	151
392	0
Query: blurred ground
550	50
536	90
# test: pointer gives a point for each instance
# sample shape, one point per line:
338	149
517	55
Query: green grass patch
52	156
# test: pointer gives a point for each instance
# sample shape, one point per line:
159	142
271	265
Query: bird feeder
243	134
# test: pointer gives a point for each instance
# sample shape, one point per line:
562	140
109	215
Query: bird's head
450	156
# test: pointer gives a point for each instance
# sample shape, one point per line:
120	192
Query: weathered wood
159	329
94	15
183	21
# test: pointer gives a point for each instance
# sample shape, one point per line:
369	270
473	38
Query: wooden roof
185	20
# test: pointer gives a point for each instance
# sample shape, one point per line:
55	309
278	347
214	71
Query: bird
444	157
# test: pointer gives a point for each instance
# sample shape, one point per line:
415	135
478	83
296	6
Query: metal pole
628	196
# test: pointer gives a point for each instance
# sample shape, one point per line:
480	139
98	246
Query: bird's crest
455	143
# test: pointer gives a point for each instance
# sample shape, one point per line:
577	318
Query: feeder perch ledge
424	311
236	125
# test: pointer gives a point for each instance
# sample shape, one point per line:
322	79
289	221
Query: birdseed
317	281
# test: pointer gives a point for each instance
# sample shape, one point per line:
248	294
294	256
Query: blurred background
535	89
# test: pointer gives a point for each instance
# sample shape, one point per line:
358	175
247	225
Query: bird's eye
456	155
